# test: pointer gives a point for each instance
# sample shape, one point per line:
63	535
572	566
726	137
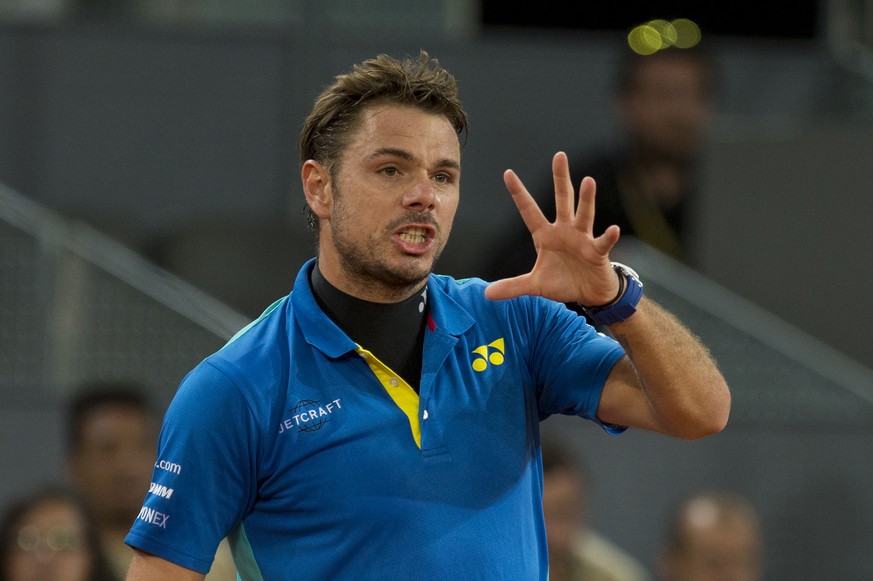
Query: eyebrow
403	154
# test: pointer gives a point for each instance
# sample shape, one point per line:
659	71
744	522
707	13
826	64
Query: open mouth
414	235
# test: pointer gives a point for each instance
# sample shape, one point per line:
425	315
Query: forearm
684	392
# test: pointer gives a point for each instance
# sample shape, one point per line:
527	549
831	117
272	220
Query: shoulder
471	288
258	342
468	295
246	370
612	562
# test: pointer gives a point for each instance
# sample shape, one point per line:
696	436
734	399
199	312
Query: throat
393	332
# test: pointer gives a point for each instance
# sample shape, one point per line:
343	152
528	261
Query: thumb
604	243
508	288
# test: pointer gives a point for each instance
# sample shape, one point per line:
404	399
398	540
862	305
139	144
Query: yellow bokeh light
666	30
687	33
645	40
658	34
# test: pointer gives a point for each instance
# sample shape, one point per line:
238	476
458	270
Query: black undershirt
393	332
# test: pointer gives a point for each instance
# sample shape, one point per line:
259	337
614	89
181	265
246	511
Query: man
664	105
646	181
110	457
714	536
381	422
576	551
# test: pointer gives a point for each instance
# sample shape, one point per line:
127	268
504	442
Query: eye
389	171
443	178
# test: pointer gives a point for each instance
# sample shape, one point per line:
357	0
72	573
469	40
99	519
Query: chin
412	273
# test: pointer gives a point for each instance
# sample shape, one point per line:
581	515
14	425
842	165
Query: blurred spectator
646	182
713	536
49	536
111	451
112	438
576	552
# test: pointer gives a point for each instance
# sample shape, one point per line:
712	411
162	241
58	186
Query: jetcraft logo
310	415
490	354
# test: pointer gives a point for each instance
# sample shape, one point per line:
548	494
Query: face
387	210
562	508
729	550
113	464
50	543
669	106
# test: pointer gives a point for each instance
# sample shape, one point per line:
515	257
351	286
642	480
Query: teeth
414	235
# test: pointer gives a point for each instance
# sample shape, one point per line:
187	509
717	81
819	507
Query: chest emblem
310	415
491	354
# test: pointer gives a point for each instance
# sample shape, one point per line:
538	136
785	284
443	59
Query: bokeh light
644	39
659	34
687	33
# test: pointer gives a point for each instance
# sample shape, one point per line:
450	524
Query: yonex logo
153	517
492	354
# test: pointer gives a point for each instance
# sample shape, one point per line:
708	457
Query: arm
668	382
146	567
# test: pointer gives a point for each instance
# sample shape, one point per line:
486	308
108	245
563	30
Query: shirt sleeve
204	475
571	361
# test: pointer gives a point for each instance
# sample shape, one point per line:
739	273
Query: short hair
91	396
417	82
725	504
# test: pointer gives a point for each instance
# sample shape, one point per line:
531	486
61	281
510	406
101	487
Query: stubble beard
366	266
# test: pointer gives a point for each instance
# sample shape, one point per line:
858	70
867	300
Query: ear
317	187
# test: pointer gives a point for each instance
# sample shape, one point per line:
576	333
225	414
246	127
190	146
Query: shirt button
424	415
393	381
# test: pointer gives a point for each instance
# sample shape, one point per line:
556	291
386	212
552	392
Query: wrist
622	287
625	304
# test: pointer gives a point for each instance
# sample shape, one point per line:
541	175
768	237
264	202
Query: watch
625	304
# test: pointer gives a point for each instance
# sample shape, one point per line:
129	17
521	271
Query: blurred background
150	206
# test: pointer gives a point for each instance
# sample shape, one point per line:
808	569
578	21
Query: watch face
627	270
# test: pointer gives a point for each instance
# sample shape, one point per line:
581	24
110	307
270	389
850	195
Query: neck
393	332
663	181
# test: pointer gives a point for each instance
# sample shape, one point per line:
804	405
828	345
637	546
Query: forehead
404	126
111	419
52	512
673	70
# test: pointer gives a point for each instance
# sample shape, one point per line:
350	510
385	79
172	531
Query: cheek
449	207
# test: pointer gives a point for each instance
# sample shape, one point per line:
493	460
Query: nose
421	196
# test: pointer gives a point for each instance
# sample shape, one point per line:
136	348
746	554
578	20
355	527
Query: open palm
572	264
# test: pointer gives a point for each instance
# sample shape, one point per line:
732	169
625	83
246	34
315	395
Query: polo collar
445	315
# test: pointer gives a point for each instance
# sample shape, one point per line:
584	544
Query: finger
527	207
603	244
508	288
585	211
563	187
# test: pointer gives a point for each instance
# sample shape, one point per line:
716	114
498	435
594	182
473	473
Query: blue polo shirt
318	462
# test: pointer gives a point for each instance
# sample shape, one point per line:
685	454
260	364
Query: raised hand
572	264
